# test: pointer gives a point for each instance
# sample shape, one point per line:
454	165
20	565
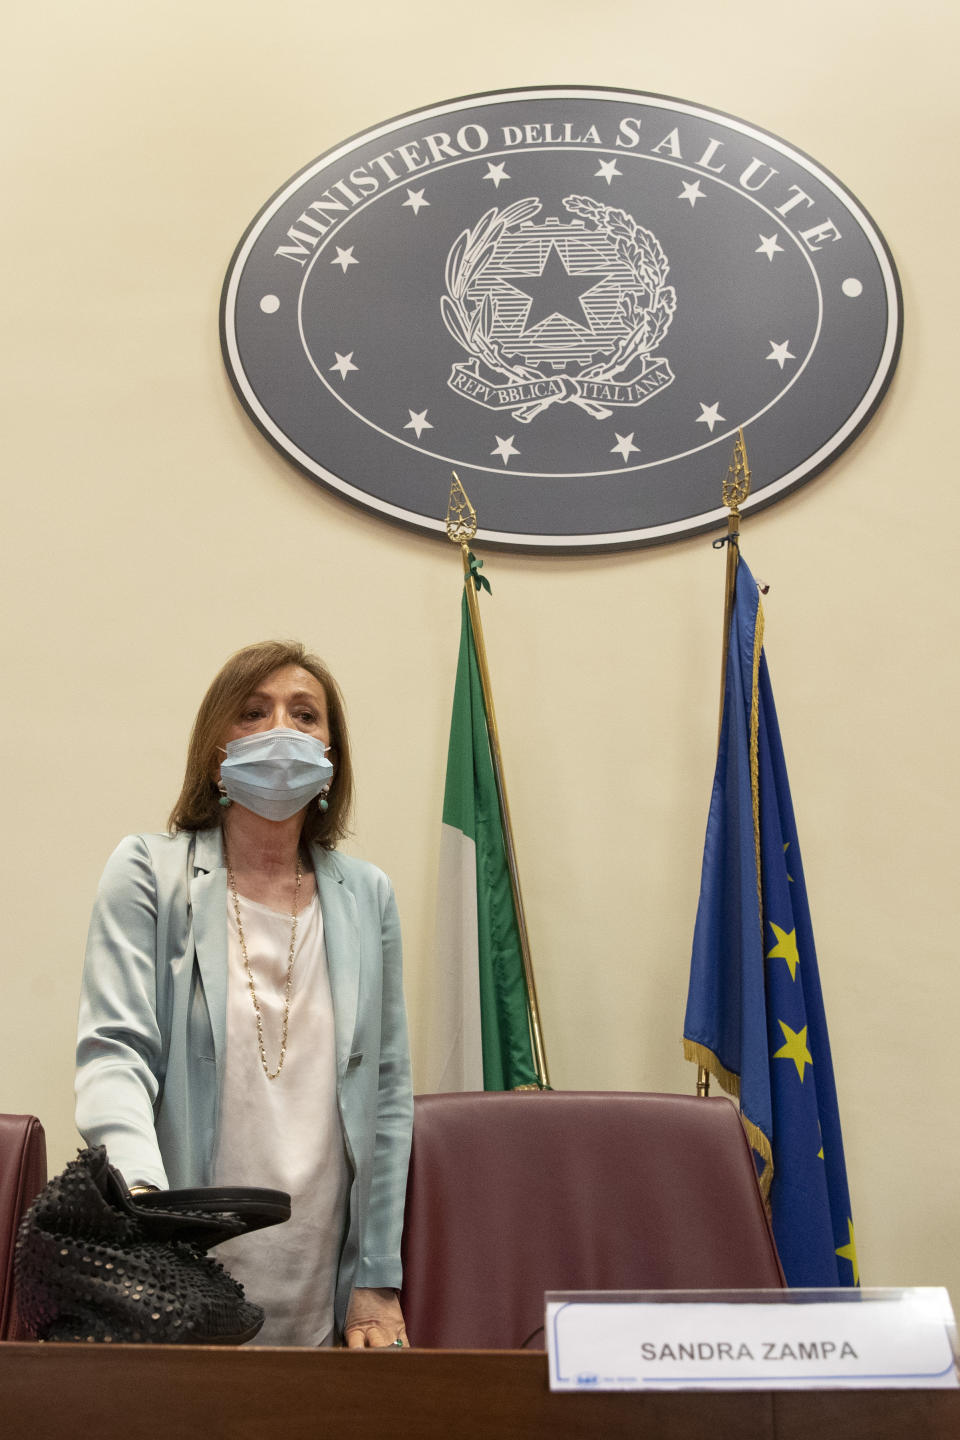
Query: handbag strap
200	1217
255	1206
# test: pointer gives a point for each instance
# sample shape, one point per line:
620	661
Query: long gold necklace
270	1074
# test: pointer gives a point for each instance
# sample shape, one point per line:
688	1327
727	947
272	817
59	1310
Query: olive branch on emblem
469	256
642	253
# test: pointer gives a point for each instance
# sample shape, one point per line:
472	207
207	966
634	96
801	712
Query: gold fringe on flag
704	1057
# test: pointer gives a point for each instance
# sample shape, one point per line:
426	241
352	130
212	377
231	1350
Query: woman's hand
374	1318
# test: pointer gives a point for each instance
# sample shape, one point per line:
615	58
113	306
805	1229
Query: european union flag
755	1014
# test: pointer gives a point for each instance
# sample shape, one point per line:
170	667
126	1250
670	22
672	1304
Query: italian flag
480	1025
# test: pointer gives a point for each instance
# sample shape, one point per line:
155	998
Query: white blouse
284	1133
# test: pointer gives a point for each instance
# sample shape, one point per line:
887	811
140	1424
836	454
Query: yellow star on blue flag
785	949
849	1252
795	1048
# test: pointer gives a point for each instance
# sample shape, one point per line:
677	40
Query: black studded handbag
95	1263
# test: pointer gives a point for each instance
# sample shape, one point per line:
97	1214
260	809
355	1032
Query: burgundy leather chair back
514	1194
23	1174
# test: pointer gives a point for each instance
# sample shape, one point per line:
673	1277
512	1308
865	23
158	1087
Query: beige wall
148	530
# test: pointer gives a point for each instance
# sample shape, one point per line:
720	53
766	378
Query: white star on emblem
344	363
496	173
505	448
768	246
415	201
780	353
345	258
608	168
418	423
711	415
624	446
692	192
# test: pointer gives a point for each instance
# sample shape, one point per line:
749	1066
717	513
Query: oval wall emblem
573	297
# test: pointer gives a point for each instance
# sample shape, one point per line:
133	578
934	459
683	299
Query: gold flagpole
461	528
736	488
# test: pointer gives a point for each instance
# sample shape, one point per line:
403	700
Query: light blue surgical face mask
275	773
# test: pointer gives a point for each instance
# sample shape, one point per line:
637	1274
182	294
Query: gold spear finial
461	516
736	486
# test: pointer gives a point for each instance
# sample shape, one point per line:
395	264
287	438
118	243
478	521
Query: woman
241	1014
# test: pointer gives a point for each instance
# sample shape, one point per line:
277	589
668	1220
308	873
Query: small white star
624	446
780	352
608	168
418	423
344	363
496	173
345	258
768	246
711	415
692	192
505	449
415	201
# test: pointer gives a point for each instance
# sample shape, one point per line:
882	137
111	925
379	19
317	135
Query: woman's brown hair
198	806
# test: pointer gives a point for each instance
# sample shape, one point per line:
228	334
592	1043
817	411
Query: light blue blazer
152	1030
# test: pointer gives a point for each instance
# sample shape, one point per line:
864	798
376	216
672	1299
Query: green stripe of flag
470	806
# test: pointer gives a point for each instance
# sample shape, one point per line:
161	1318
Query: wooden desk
116	1392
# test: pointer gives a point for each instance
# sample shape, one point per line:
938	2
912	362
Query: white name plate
792	1339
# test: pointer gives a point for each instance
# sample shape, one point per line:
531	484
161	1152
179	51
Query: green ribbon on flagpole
475	567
